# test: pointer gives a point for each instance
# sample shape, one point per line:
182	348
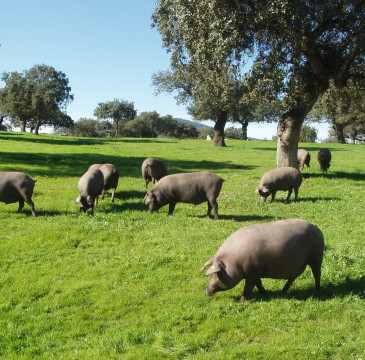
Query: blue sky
107	49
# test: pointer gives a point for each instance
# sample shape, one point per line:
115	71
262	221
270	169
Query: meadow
126	284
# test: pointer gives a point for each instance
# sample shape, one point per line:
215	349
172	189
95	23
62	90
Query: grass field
125	284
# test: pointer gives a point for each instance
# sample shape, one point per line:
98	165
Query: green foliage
276	56
88	128
36	97
308	134
125	284
116	110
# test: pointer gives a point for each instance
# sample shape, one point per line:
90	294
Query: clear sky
107	49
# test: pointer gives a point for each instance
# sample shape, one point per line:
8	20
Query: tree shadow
315	199
76	164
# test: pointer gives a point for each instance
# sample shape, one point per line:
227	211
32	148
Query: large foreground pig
324	159
277	250
192	188
16	186
111	177
283	178
90	186
153	170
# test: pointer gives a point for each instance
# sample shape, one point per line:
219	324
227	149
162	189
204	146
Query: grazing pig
193	188
111	177
152	170
283	178
90	186
16	186
304	158
324	159
277	250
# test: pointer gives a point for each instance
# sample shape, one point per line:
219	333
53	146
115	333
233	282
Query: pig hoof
242	299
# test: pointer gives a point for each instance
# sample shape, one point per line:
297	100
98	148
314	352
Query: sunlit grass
126	284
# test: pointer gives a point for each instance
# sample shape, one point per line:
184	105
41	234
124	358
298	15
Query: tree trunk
22	125
36	128
338	129
288	137
116	129
244	129
219	125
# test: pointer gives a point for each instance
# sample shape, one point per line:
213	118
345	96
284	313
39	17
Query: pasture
125	284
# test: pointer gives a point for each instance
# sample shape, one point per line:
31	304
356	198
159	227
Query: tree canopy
36	97
116	110
284	51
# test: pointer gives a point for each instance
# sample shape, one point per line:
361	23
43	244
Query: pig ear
215	268
78	199
148	197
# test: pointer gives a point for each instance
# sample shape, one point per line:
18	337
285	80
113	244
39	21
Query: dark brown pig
304	158
17	187
153	170
324	159
193	188
90	186
283	178
111	177
277	250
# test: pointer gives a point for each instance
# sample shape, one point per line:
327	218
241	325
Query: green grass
125	284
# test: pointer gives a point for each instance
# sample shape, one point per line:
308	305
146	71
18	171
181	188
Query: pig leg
146	183
260	288
288	284
251	282
316	270
296	194
113	194
289	193
31	205
103	194
171	207
273	196
21	205
209	209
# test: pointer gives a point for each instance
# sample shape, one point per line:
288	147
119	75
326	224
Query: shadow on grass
336	175
76	164
329	291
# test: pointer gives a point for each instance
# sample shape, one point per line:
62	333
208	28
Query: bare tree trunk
288	137
22	125
219	125
116	129
36	128
338	129
244	129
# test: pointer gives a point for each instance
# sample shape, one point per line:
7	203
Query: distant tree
235	133
308	134
355	132
204	132
15	98
36	96
281	50
85	127
117	111
343	107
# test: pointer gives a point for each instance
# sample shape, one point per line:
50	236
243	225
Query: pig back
282	178
277	250
15	186
192	188
91	183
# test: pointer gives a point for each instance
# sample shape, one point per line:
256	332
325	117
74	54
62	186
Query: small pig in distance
17	186
153	170
90	186
324	159
277	250
304	158
111	177
283	178
193	188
